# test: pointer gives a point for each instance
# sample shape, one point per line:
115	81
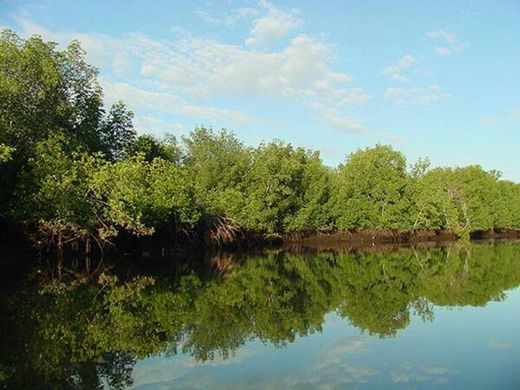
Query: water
430	318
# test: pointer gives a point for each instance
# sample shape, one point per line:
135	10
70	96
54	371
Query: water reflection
89	330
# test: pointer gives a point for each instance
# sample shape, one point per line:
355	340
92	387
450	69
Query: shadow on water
66	325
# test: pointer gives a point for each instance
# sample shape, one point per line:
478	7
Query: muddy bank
495	233
167	243
371	237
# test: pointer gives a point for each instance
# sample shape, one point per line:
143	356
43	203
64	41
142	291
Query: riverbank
162	244
374	236
359	239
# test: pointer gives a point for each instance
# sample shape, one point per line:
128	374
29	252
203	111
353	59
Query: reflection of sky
466	348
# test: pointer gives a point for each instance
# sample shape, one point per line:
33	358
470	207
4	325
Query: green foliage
463	199
43	90
314	213
434	206
117	131
218	163
5	153
75	195
507	206
143	195
150	147
274	187
372	190
46	92
55	192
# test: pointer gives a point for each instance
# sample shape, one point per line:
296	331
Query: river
384	318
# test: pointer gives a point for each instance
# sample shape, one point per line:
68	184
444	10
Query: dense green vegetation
76	332
72	171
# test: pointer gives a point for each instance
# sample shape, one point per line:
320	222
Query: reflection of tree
472	276
114	369
377	291
62	337
84	334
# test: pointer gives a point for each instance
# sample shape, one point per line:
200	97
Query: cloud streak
395	71
273	25
448	43
180	75
169	103
424	95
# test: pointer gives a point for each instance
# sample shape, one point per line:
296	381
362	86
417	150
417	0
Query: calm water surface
413	319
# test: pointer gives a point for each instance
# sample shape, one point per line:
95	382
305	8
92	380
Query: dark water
431	318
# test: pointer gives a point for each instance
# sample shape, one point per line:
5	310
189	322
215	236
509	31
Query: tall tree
274	190
117	131
372	190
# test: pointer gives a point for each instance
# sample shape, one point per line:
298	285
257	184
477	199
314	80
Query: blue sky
432	78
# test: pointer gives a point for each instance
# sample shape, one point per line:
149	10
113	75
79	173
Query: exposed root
60	236
220	231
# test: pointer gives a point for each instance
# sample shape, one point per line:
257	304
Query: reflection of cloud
166	370
436	370
496	344
405	377
436	374
336	377
334	355
332	377
331	371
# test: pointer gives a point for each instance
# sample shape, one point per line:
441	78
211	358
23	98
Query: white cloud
448	43
395	71
299	72
502	117
231	18
273	25
203	68
169	103
102	50
442	35
336	120
145	124
417	95
388	138
269	23
179	75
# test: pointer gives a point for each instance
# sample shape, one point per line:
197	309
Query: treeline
74	172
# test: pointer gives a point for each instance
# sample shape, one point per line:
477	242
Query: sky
437	79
